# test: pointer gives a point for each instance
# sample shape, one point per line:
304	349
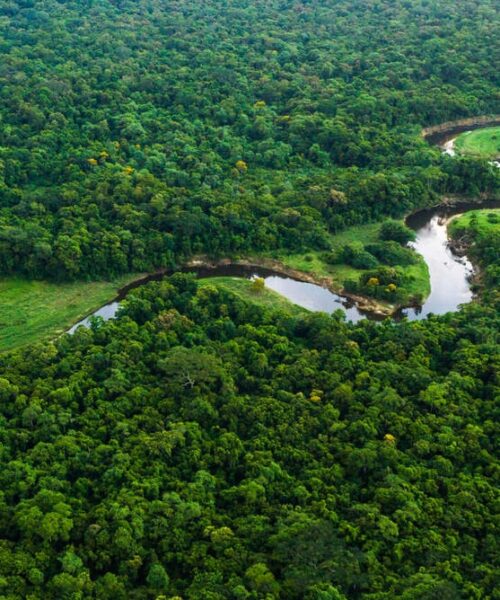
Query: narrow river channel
450	276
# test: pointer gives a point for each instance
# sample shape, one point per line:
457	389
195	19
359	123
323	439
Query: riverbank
31	311
365	304
481	143
246	291
462	230
439	134
452	203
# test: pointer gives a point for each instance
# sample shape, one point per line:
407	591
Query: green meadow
483	143
37	310
485	219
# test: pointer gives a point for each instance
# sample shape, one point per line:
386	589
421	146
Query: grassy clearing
35	310
364	234
243	289
311	262
420	282
483	143
485	219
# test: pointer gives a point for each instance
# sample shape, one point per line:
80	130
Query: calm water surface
108	311
449	276
308	295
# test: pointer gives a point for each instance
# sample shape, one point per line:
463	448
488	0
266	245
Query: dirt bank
439	134
363	303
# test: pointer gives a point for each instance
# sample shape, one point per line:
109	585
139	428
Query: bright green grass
484	143
364	234
310	262
243	289
484	222
35	310
418	278
418	282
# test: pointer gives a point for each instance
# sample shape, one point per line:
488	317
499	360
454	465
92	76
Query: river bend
450	276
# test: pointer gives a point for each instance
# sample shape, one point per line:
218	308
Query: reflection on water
449	276
108	311
308	295
312	297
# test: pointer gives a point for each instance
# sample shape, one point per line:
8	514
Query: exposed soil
275	266
439	134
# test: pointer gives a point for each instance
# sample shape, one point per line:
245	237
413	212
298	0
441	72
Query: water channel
450	276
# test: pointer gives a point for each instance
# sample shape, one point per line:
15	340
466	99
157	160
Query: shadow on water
450	275
439	138
307	295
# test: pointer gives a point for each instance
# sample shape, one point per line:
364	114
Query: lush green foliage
358	249
136	133
391	284
479	233
482	142
323	263
392	253
354	255
485	220
208	446
205	447
396	232
253	291
401	279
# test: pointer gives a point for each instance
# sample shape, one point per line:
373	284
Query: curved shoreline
439	134
276	267
364	304
452	203
460	246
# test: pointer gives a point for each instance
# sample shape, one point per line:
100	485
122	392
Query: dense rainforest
206	448
134	134
203	446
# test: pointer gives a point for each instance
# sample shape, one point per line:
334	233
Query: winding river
445	135
450	276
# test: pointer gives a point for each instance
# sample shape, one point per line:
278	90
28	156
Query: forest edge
364	303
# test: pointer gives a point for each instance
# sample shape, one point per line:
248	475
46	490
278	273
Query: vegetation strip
437	134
